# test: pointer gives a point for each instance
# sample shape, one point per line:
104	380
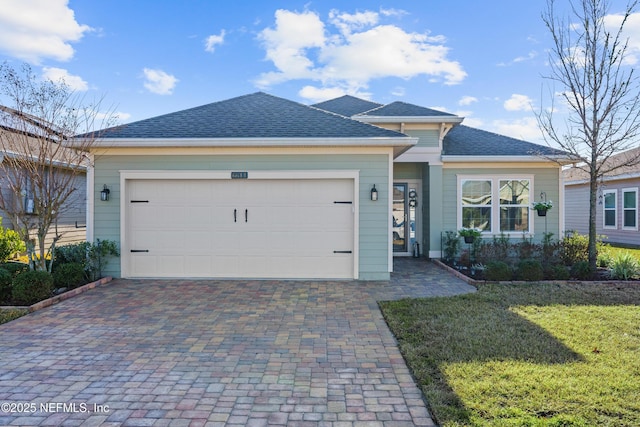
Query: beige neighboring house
617	207
71	222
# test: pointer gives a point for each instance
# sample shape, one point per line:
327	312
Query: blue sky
482	60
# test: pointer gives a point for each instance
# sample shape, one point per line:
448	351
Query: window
476	204
514	205
496	204
610	214
630	208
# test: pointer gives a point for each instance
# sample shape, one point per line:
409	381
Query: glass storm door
404	217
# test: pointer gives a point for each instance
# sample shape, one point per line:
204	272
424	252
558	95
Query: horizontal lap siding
374	169
577	208
427	138
545	179
626	236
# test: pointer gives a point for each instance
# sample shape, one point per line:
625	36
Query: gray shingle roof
257	115
347	105
466	141
403	109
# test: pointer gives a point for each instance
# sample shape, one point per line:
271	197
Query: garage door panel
240	228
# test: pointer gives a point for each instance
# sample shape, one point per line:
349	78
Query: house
262	187
22	137
617	209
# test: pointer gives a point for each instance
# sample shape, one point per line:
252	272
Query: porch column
435	210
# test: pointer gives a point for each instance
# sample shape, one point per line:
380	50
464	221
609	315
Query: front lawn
526	355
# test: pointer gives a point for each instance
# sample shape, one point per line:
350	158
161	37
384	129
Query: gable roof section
403	109
626	163
347	105
466	141
257	115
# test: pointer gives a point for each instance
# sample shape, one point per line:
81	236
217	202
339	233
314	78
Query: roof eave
409	119
399	144
506	159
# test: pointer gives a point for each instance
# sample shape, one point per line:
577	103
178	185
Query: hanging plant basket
469	234
542	207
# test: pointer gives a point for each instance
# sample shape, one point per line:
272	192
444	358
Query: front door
405	217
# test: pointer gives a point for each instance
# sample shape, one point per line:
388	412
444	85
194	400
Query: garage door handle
235	215
246	215
342	252
139	250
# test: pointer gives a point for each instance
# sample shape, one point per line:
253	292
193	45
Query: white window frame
495	201
624	209
605	209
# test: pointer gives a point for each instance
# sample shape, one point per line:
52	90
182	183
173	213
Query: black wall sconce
104	194
374	193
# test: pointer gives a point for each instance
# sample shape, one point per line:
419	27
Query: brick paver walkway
207	353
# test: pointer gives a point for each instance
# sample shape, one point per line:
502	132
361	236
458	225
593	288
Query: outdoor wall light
374	193
104	194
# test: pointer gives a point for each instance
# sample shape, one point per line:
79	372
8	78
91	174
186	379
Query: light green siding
407	171
436	212
427	138
373	169
544	180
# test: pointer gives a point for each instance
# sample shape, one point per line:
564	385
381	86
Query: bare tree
600	91
45	134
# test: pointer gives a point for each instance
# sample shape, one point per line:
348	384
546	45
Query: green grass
9	315
613	251
526	355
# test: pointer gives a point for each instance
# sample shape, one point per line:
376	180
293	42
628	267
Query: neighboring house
617	206
71	223
262	187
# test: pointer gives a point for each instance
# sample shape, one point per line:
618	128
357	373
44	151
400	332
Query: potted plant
469	234
543	207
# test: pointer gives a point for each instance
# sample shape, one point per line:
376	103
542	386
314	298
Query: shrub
10	243
557	272
527	249
15	268
75	252
574	248
6	280
581	270
92	256
32	286
497	271
451	245
69	275
529	269
605	259
625	266
98	256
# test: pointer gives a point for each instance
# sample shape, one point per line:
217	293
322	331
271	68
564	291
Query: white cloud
467	100
159	82
315	94
518	102
212	41
32	30
347	23
360	49
75	83
631	33
526	128
287	45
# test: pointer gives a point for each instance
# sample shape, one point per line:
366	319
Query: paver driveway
174	353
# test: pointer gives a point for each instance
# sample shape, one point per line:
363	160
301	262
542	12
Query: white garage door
240	228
